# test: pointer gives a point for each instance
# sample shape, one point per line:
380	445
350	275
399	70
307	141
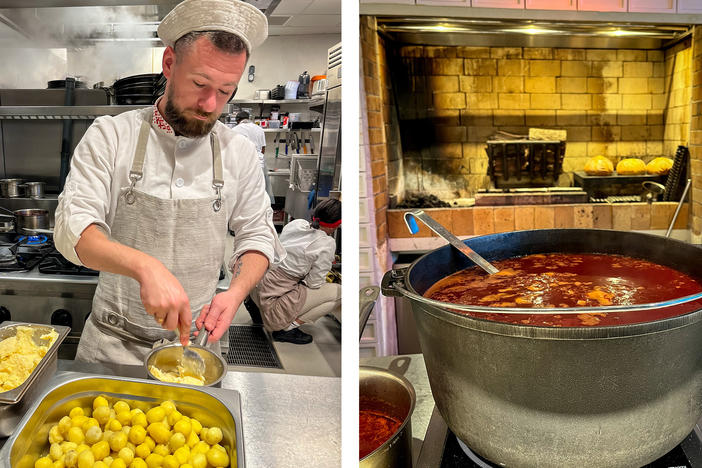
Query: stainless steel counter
288	420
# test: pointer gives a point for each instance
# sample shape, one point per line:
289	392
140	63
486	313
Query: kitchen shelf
279	130
271	101
62	112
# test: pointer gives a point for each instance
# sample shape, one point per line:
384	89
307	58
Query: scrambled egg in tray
19	355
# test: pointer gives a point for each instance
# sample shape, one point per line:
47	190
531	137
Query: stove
442	449
38	285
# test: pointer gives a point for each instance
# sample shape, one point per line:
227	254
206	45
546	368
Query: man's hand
165	299
218	315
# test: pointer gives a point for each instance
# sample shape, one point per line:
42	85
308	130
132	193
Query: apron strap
217	179
136	172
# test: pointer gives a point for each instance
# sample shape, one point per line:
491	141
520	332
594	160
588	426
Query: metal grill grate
249	345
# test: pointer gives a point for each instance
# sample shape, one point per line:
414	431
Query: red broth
570	280
374	428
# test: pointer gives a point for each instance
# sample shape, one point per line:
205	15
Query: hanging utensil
410	220
677	210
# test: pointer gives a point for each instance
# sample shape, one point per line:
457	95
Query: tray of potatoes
93	421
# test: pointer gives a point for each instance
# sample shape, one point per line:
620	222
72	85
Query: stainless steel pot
551	397
11	188
35	189
31	221
393	395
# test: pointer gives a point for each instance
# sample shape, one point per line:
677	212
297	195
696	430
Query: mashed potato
177	376
19	355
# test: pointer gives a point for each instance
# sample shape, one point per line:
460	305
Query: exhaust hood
485	32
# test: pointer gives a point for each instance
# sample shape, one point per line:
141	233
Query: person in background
152	193
296	292
253	132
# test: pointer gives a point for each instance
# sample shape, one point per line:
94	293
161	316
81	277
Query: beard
188	126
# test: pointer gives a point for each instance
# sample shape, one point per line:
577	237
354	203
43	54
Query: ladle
410	220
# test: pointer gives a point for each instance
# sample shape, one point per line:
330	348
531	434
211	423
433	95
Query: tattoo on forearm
237	267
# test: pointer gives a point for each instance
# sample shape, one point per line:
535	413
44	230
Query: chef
152	192
253	132
296	292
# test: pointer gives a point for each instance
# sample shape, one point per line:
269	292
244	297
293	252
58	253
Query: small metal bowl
168	356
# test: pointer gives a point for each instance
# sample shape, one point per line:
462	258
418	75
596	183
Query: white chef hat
234	16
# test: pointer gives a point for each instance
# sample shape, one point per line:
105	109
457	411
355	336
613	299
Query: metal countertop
288	420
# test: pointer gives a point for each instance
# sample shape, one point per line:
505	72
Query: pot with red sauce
386	402
585	351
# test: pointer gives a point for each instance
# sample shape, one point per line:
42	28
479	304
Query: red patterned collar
159	122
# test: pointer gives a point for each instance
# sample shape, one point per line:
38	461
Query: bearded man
152	193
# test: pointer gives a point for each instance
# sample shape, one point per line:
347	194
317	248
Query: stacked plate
139	89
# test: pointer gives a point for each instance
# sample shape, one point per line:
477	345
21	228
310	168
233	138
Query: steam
93	44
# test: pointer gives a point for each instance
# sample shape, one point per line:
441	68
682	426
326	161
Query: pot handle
393	283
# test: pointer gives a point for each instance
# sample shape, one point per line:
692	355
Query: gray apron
281	297
187	236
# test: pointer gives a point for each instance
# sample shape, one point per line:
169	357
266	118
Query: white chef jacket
175	167
254	133
310	252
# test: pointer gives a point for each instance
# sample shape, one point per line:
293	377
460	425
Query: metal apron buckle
129	197
217	204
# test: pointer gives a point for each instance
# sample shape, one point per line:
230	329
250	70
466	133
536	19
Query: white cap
234	16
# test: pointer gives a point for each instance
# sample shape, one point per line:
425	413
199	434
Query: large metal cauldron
617	396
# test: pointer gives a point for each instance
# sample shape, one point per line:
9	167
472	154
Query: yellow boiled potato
102	414
176	441
169	461
138	463
82	448
196	425
168	406
201	447
182	454
126	430
150	442
183	426
143	451
108	460
55	436
159	432
75	412
44	462
154	460
155	414
219	447
75	435
139	419
59	464
124	417
161	449
86	459
93	435
90	422
126	454
186	465
174	417
66	446
118	441
120	406
198	460
100	464
101	450
137	435
118	463
64	425
78	421
55	451
192	440
213	436
71	459
114	425
217	458
100	401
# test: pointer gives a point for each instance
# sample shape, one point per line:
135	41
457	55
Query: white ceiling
306	17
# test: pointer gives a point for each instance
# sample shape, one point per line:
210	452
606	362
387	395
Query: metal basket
304	173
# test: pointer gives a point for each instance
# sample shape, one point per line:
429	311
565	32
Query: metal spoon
453	240
192	362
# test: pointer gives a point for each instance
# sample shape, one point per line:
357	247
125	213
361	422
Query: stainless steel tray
66	390
9	329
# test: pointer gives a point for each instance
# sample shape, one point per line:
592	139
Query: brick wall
618	103
696	135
